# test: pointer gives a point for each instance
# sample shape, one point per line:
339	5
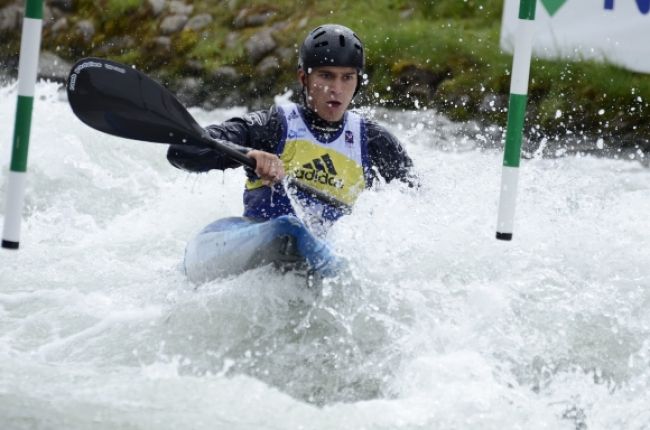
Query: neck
319	124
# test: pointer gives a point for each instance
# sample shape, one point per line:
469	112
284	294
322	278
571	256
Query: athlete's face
329	90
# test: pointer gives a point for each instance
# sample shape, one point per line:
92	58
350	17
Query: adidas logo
320	170
317	165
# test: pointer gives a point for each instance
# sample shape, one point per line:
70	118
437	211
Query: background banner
614	31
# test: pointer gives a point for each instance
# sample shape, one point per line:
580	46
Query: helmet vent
316	36
321	44
342	40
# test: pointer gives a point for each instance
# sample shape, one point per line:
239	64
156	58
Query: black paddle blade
124	102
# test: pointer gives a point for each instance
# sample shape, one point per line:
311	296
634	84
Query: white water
442	327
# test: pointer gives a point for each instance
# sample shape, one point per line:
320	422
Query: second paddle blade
122	101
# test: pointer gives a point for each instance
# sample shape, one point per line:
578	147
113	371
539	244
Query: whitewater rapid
440	326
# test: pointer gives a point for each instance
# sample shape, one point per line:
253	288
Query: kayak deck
234	245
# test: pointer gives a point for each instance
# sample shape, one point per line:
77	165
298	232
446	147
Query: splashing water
440	326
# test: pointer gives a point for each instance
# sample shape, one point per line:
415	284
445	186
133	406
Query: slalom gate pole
516	116
30	44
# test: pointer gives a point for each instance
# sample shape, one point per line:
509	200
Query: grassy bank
443	54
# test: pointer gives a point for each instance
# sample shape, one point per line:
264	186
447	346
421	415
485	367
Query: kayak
233	245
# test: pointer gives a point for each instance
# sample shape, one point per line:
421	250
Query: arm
388	156
254	131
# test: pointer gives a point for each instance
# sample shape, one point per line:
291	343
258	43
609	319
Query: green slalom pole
516	116
30	45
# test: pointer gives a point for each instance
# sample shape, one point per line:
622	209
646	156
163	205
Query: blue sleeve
388	156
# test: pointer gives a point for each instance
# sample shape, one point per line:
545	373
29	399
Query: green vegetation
118	8
437	53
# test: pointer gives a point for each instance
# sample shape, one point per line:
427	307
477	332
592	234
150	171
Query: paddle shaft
225	148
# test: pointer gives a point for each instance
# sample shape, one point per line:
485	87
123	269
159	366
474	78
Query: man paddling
319	142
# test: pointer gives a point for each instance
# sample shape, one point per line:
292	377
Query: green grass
457	40
117	8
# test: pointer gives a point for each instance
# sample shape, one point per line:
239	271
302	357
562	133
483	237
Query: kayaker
317	141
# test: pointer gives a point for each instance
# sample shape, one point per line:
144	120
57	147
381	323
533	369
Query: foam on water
439	325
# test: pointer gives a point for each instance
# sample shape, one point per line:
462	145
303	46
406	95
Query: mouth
334	104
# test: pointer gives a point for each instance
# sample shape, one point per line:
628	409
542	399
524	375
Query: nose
336	86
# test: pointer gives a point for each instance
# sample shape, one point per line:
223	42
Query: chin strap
304	95
304	90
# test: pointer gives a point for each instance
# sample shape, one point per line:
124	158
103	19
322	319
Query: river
440	326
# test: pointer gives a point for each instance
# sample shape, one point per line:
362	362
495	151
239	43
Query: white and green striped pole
516	116
30	45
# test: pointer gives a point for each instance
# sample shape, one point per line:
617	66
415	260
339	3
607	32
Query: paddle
122	101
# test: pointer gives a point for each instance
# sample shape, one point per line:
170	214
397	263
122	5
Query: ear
302	77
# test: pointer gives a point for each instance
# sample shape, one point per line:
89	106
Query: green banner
552	6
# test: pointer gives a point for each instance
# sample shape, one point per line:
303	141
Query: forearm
256	130
196	159
203	159
401	170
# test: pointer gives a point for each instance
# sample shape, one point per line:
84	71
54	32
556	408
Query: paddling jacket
378	153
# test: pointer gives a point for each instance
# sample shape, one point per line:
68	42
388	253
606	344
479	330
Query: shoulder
258	129
259	117
387	154
382	144
378	135
255	122
371	126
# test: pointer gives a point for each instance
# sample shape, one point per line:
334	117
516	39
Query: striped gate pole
516	115
30	44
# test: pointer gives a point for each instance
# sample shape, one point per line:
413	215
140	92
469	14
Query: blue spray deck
233	245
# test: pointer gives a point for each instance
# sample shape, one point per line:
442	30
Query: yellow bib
334	168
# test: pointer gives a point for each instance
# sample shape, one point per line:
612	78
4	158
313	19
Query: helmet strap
305	93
